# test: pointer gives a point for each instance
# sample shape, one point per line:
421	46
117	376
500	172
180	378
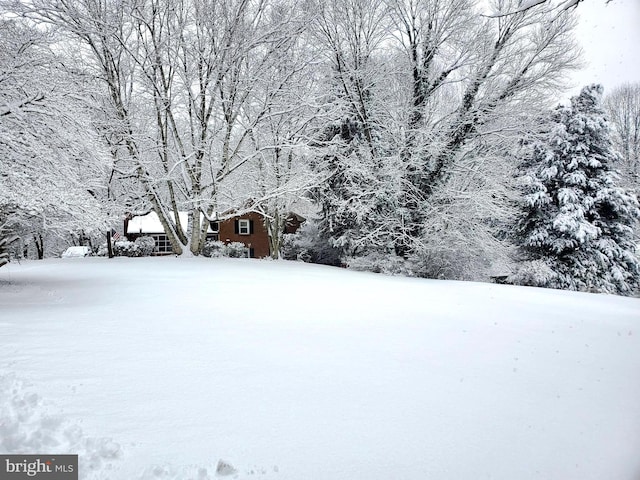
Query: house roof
298	217
150	223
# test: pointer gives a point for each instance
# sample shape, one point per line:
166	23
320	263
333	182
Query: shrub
308	245
212	249
234	250
124	248
216	249
142	247
534	273
146	246
103	251
379	263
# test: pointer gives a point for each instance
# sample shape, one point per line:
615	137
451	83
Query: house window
213	231
244	227
163	245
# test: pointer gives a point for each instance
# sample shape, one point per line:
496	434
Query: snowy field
290	371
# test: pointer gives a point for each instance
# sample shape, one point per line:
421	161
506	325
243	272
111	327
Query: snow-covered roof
150	223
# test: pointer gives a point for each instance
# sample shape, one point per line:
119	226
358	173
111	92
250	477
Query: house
149	226
248	229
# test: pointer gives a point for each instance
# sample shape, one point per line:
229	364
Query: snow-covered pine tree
575	230
341	219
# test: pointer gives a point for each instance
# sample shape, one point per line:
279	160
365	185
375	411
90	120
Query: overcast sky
610	36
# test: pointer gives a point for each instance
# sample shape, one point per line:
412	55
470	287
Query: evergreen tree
338	221
575	229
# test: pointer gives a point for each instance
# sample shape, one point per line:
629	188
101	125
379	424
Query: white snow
150	223
73	252
281	370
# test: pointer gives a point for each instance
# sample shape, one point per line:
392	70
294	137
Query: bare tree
466	73
623	110
51	161
423	89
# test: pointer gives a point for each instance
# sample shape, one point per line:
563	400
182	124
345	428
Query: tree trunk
39	243
109	244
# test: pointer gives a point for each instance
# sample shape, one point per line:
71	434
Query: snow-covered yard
291	371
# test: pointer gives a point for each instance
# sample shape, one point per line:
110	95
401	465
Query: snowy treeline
398	120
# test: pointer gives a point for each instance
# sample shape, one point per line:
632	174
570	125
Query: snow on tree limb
529	4
524	7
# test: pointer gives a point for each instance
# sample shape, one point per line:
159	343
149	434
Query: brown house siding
257	241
